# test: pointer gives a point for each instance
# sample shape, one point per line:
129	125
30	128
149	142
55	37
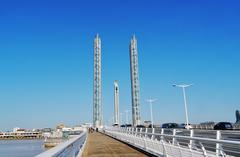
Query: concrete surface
99	145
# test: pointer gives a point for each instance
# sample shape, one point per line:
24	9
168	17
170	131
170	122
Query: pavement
99	145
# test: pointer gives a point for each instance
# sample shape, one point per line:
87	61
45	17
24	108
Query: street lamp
150	103
121	119
111	120
126	111
183	86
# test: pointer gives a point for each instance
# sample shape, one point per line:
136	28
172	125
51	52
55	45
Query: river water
21	148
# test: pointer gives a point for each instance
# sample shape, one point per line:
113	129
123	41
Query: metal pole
151	112
185	104
120	118
183	86
126	116
192	142
218	145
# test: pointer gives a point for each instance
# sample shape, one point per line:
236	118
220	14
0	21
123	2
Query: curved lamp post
183	86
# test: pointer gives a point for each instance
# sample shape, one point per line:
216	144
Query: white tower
116	103
134	82
97	85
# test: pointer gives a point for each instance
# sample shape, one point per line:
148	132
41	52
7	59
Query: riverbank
20	135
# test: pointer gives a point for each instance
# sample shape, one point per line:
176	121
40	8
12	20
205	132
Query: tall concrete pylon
97	84
116	103
136	119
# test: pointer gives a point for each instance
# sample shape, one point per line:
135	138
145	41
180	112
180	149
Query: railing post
146	131
192	143
162	132
153	131
204	150
174	139
145	139
136	131
134	135
218	145
126	136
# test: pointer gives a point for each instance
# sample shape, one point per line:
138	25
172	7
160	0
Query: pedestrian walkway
99	145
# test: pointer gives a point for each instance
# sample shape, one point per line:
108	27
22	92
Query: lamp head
182	85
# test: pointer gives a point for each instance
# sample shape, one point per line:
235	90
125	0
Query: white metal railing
179	143
71	148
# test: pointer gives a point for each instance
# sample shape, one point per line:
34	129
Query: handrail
188	137
185	144
71	147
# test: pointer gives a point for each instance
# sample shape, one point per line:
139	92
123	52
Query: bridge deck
99	145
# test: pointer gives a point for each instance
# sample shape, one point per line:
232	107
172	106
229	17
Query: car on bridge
223	126
115	125
126	125
185	126
140	126
170	125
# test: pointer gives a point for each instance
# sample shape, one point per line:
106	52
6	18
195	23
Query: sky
46	59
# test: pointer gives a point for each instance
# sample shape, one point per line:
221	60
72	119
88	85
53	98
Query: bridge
123	141
116	141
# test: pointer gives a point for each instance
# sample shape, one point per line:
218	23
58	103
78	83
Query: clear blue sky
46	59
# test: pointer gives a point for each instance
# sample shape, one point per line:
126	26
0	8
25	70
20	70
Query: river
21	148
